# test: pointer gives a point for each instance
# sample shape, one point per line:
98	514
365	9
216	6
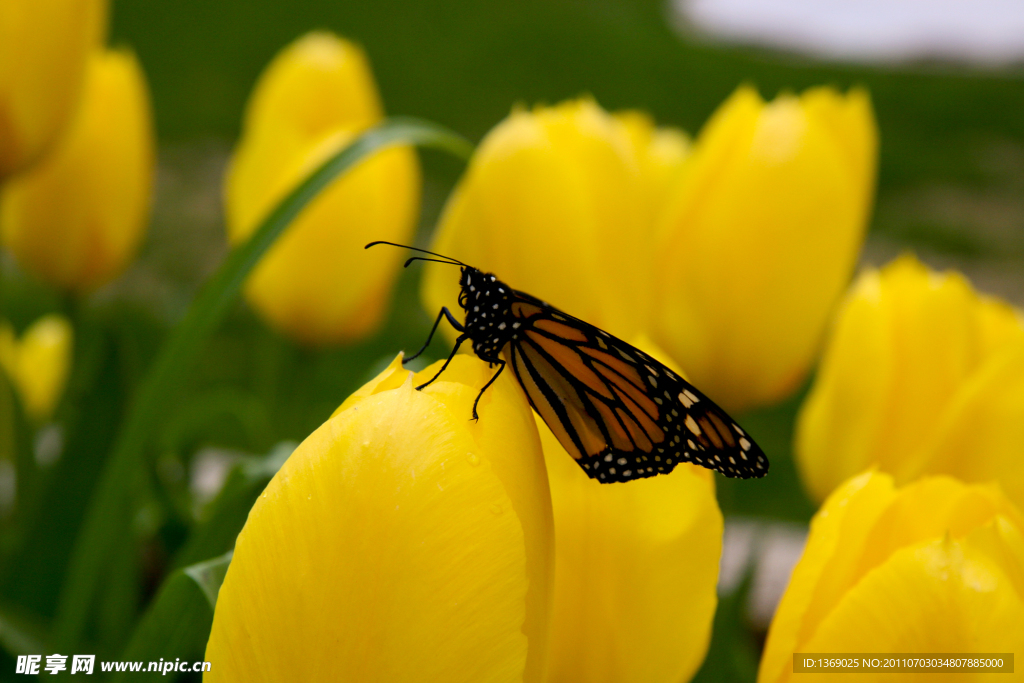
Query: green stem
98	532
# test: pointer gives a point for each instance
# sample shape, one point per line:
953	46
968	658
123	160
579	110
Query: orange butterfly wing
619	412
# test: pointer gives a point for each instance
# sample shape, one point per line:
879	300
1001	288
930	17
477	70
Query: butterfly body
486	301
621	414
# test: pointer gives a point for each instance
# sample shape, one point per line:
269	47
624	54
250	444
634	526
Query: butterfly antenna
432	260
448	259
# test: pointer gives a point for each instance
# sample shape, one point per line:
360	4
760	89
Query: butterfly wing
619	412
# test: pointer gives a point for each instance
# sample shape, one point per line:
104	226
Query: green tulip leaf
178	620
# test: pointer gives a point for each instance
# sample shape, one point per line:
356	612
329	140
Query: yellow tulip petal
661	152
939	596
44	49
1003	541
857	360
985	417
635	572
390	547
937	566
506	426
317	284
825	571
932	343
760	237
77	217
38	364
953	508
553	203
316	84
921	375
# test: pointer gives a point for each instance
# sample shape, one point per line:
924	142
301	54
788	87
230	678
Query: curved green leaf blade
178	621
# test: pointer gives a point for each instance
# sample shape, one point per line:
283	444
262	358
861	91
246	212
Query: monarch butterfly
617	411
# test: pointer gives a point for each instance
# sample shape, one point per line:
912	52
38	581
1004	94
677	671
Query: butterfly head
487	301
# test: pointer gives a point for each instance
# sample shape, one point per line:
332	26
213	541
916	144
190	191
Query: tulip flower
636	567
937	566
403	541
759	238
77	218
400	542
38	363
316	284
559	202
44	48
921	375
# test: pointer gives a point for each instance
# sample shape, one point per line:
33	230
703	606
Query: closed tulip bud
400	542
559	202
935	567
316	284
76	218
44	48
759	238
921	375
637	564
38	363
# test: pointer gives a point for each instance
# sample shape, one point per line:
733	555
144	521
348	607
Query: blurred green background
951	188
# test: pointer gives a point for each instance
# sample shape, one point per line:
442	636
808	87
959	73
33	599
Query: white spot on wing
691	424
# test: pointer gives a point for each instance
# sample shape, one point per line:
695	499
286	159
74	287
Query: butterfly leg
501	363
445	313
458	343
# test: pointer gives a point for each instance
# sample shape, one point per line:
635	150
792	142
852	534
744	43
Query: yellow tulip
316	284
559	202
400	542
77	217
635	571
759	239
937	566
44	48
38	363
921	375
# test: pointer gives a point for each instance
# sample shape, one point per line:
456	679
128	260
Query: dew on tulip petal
474	459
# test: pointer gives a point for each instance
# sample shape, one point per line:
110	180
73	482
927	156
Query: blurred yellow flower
559	202
38	363
44	47
636	567
921	375
400	542
76	218
937	566
759	238
316	284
